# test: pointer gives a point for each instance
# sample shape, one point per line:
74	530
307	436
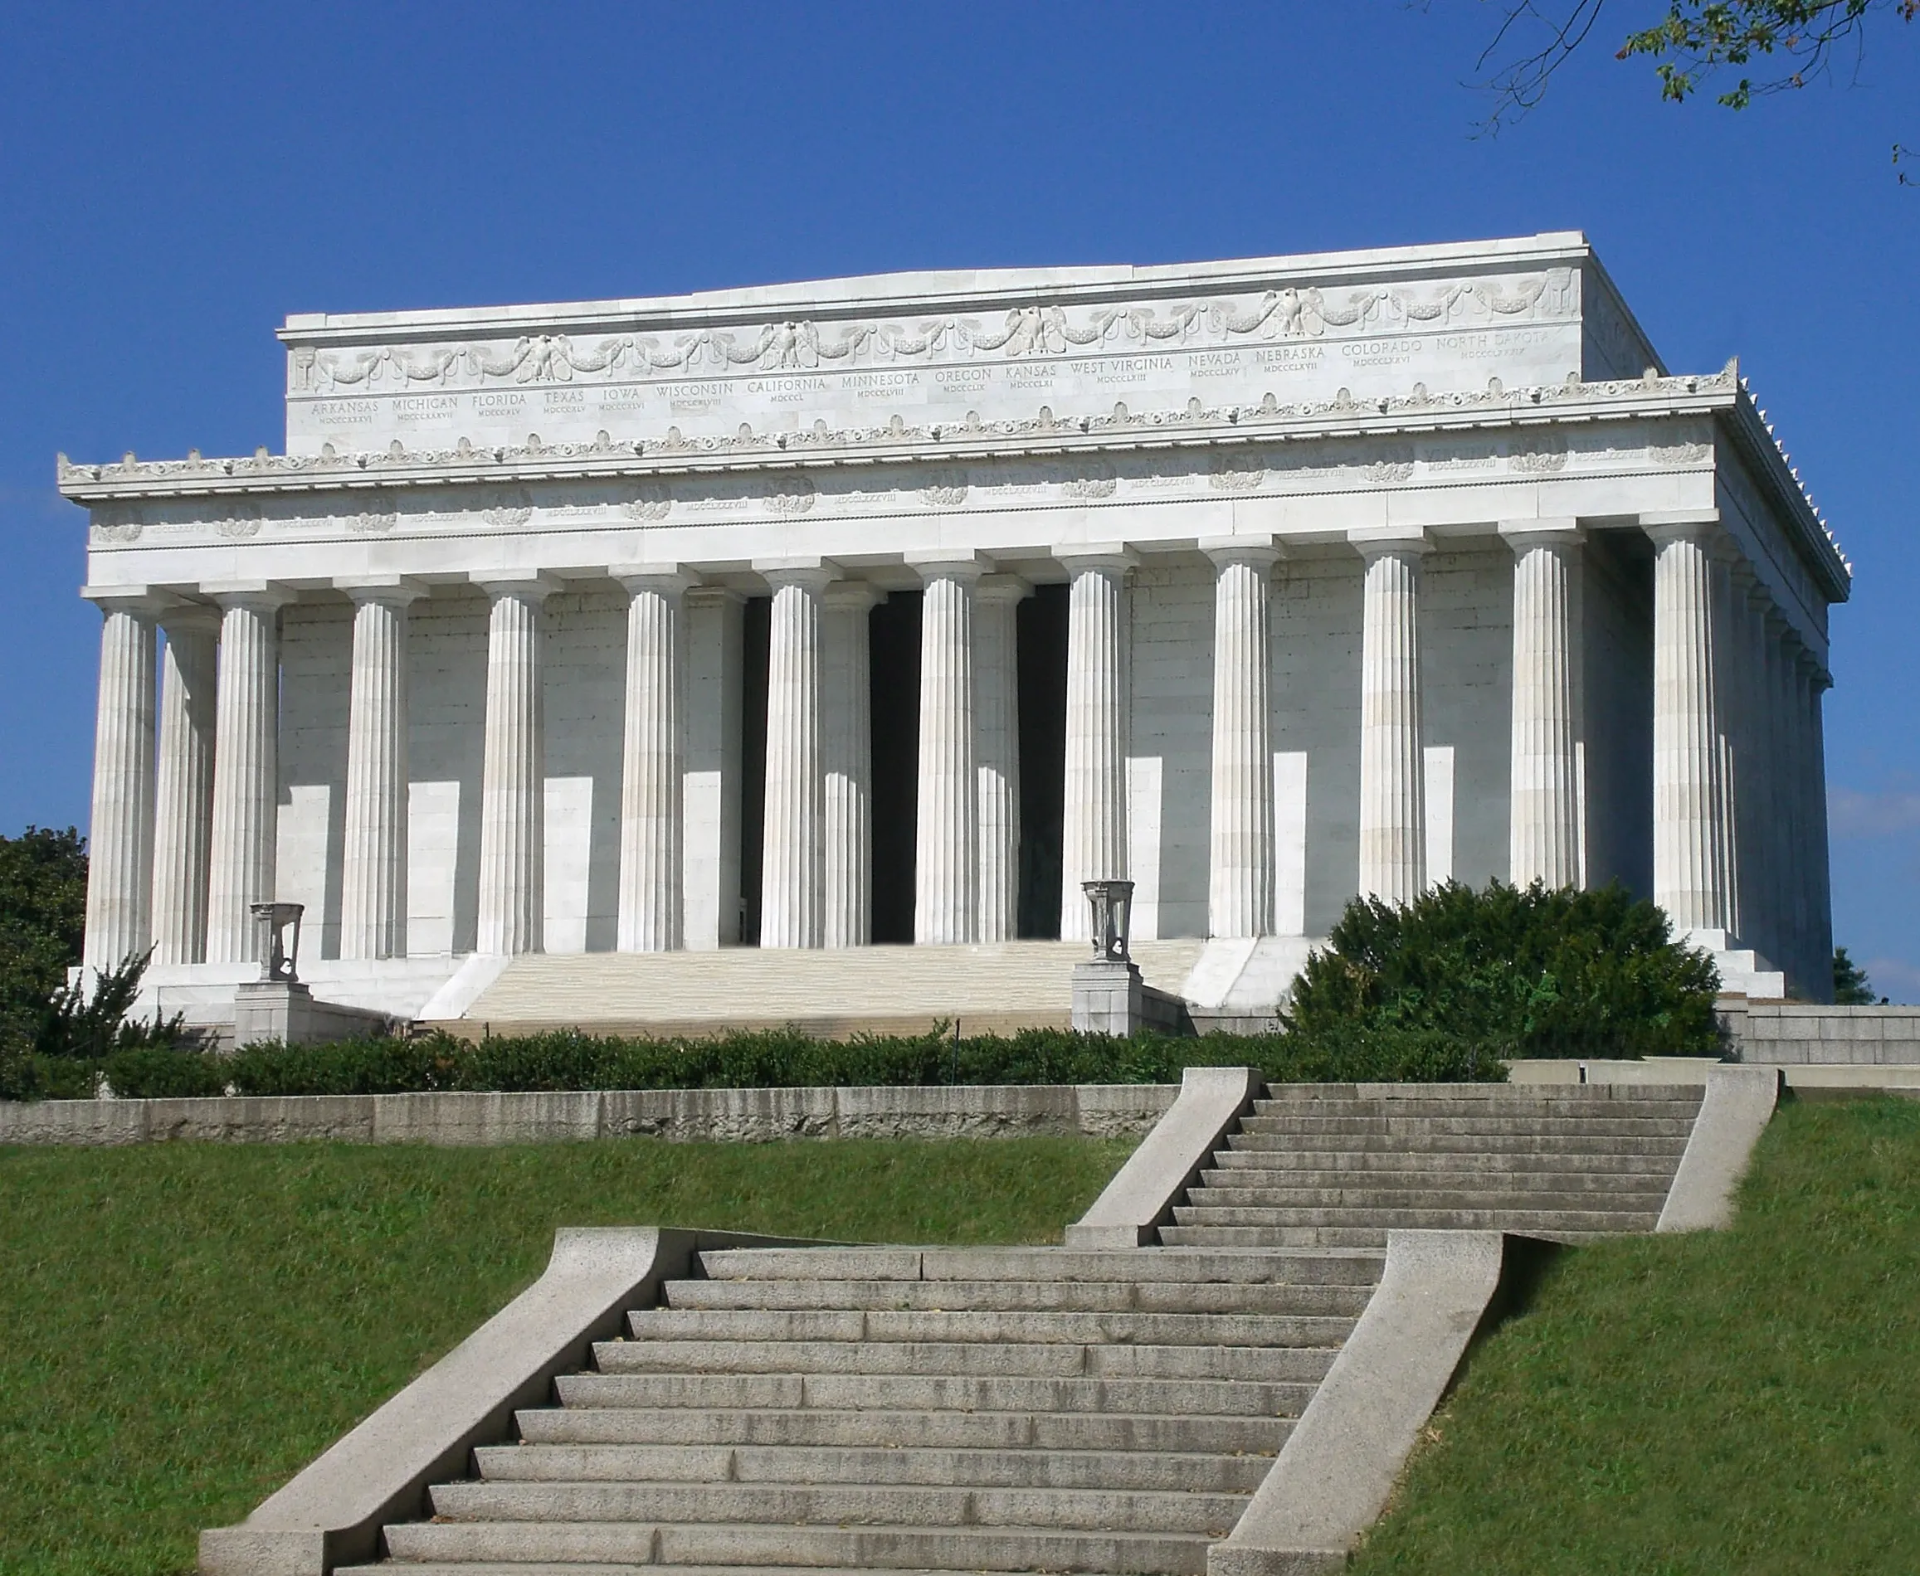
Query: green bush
1511	972
163	1073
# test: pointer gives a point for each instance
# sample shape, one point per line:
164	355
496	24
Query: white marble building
890	609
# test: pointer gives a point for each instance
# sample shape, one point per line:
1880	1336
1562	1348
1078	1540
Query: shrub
1511	972
165	1073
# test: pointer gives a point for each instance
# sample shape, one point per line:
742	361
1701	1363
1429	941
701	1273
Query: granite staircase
1338	1166
906	1409
1028	1409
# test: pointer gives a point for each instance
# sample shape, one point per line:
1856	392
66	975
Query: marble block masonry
894	609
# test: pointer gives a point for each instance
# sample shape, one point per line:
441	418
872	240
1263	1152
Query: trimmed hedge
773	1059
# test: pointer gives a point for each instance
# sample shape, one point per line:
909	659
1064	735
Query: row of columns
182	850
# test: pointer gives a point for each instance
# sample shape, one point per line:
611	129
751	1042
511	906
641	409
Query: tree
1851	987
43	915
1794	41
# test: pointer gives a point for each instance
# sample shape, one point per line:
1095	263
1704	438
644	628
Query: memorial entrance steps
913	1409
888	989
1341	1165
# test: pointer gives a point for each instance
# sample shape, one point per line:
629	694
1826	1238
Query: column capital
668	580
522	585
1003	588
850	596
1389	541
1525	535
947	564
388	590
809	574
257	596
1682	525
141	601
1257	552
1078	557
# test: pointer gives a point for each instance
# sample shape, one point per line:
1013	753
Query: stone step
1389	1164
1036	1264
1412	1127
1493	1216
963	1359
1214	1297
991	1325
1682	1108
1670	1146
1159	1472
862	1548
546	1568
895	1392
982	1430
1570	1094
1229	1204
797	1505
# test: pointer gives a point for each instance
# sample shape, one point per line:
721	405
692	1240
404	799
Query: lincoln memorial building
891	609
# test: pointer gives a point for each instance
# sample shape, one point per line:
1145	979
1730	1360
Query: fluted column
1094	821
792	859
246	769
1819	871
183	784
373	878
1690	844
1392	766
512	908
1758	816
120	843
996	739
946	850
653	762
1543	840
846	744
1789	829
1240	882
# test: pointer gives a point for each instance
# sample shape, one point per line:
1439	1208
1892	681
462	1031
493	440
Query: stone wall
1791	1033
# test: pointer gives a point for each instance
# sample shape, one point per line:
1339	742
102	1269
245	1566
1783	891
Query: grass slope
183	1326
1746	1401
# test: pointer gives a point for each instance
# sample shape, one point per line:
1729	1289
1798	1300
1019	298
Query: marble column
1689	838
373	878
512	908
183	785
1543	840
1094	821
792	858
1392	763
1240	883
1819	871
1789	829
996	740
120	842
846	745
1758	817
946	848
653	763
246	769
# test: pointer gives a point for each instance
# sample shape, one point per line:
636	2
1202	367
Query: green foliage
1697	38
1851	987
43	914
1511	972
187	1325
780	1058
1721	1401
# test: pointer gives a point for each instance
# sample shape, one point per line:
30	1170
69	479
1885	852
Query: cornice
1121	431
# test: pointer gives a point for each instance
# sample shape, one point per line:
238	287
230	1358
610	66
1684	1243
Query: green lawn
1747	1401
182	1326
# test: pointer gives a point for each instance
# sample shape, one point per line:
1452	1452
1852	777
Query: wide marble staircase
905	1409
1034	1409
1334	1165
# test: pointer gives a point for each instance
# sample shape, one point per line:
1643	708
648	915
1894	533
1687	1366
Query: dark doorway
1041	644
893	632
756	628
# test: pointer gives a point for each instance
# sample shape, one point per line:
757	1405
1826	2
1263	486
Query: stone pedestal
1109	997
285	1010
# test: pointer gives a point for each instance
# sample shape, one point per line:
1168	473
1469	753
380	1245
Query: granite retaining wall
677	1115
1797	1034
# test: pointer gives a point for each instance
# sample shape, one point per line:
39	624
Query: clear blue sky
175	179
